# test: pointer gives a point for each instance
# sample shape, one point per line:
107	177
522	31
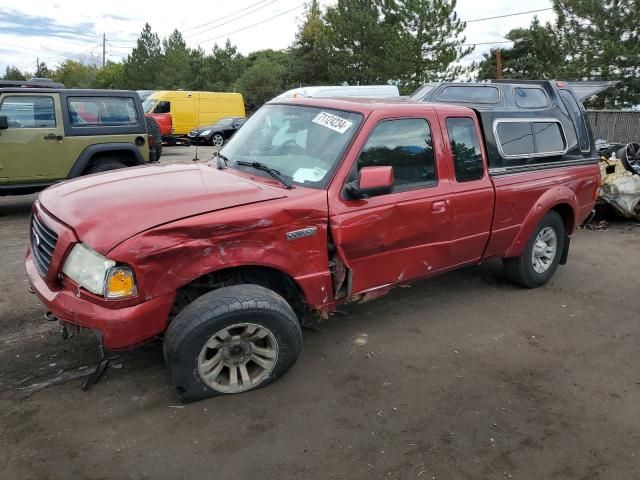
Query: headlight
98	274
205	133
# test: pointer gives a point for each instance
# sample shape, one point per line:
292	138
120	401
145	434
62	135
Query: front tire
217	139
231	340
541	255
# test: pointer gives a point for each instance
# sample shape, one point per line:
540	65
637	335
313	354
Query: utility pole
35	74
104	49
498	64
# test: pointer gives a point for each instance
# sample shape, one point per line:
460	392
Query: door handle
439	207
53	136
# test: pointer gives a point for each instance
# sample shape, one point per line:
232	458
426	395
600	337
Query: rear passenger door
473	194
405	234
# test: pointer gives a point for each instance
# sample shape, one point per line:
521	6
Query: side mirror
372	181
4	122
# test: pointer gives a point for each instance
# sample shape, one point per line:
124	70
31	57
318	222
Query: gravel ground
461	377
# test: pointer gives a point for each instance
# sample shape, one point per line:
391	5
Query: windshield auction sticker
333	122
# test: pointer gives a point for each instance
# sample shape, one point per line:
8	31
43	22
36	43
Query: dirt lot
461	377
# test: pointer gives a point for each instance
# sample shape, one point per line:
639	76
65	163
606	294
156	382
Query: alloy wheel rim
238	358
544	249
217	140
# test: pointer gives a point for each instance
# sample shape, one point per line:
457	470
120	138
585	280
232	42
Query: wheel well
566	213
124	156
267	277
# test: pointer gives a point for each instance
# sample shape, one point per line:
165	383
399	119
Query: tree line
404	42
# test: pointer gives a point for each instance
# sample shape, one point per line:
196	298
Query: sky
55	30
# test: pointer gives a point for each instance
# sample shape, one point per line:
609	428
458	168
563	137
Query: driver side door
406	234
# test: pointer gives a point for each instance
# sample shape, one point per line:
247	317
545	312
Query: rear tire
541	255
104	166
231	340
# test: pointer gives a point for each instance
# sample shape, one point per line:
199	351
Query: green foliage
174	72
111	76
363	36
13	73
431	42
42	71
536	53
602	39
309	52
74	74
142	67
263	80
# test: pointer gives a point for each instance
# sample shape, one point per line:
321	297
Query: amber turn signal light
120	283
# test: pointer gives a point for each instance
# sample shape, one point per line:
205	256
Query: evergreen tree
13	73
309	51
363	38
432	41
175	72
536	54
224	66
142	66
602	41
42	71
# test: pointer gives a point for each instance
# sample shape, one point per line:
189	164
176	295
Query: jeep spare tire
153	129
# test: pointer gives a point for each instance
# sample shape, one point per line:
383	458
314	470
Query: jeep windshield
304	144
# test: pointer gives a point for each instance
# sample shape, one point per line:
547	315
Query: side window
92	111
530	138
548	137
578	119
530	97
29	111
471	94
465	148
404	144
515	138
162	107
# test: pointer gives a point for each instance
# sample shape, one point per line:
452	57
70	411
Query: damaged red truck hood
108	208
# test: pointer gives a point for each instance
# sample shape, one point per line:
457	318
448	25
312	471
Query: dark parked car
218	133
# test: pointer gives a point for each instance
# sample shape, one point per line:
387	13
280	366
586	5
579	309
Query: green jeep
51	134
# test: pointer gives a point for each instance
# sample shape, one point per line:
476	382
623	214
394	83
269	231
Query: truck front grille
43	244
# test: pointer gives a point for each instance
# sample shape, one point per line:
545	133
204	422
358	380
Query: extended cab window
530	138
92	111
404	144
465	148
29	111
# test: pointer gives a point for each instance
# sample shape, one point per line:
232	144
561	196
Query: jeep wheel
541	256
217	139
104	165
231	340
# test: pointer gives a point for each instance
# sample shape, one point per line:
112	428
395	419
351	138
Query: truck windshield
304	144
148	105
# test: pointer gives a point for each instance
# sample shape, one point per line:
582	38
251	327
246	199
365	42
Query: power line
486	43
507	15
229	21
251	26
230	15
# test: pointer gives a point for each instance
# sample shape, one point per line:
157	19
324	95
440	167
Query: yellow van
188	110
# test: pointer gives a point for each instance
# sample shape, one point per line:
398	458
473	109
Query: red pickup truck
314	203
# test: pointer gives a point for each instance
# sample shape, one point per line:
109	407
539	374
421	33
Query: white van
367	91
